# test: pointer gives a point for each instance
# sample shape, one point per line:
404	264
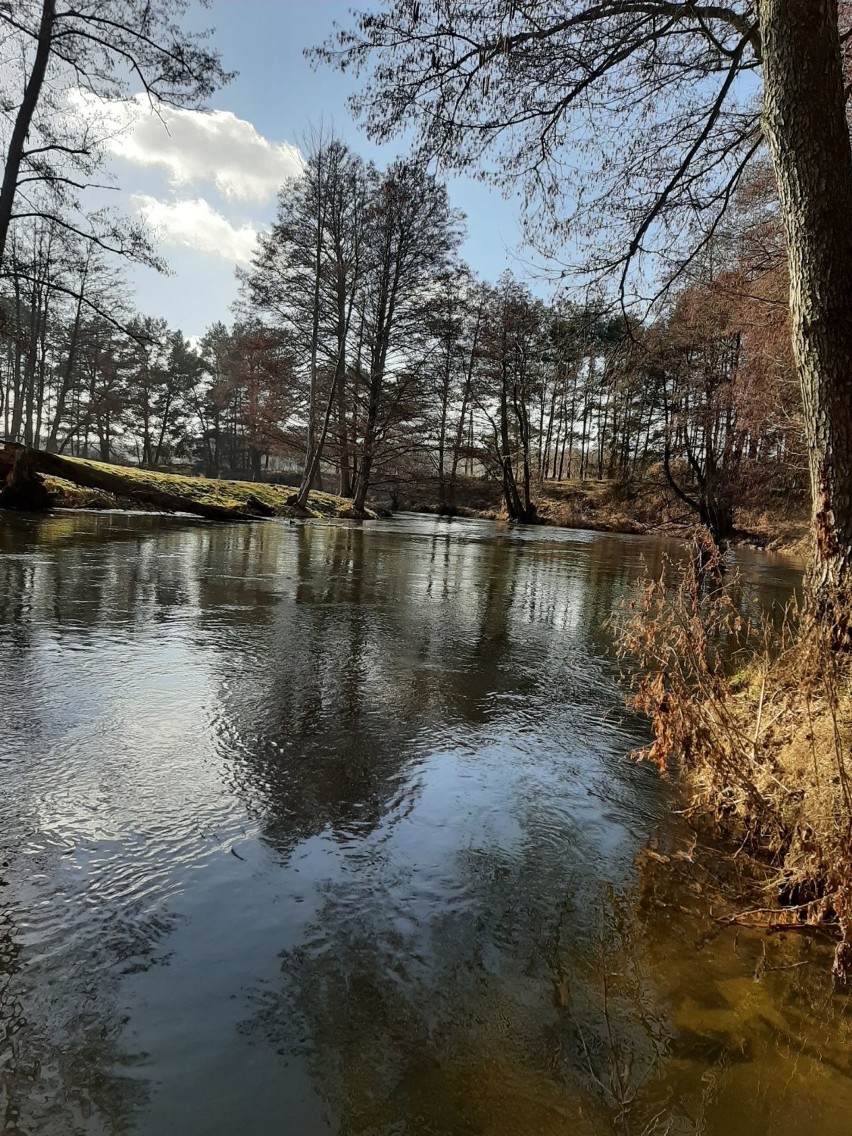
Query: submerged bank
637	508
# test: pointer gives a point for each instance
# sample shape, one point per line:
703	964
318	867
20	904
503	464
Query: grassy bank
237	495
607	506
756	721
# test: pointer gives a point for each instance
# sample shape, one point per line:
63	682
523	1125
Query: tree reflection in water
312	825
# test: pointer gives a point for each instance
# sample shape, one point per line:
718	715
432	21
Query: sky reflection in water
329	829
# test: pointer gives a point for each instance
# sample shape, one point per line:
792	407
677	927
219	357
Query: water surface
328	828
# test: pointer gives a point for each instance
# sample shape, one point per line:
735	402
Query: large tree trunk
344	487
805	124
20	488
312	474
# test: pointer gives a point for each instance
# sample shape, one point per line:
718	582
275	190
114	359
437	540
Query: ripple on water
324	823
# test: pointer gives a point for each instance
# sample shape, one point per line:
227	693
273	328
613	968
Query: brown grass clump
757	719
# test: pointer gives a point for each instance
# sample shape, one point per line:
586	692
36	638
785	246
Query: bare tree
305	278
454	319
652	93
411	236
105	48
511	356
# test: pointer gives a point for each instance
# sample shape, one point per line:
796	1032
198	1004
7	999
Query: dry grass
606	506
641	506
758	722
784	528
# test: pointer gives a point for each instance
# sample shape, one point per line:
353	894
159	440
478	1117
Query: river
328	828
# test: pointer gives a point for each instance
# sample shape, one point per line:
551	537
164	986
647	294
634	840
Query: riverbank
230	494
639	508
77	483
755	717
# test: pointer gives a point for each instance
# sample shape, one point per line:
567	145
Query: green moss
66	495
205	490
747	681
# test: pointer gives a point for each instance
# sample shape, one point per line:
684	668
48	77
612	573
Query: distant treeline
365	352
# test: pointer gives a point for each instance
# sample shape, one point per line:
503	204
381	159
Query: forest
365	350
356	369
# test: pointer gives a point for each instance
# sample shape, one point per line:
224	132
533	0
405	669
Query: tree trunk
19	486
805	123
312	475
365	466
67	378
344	484
442	435
24	118
515	507
311	454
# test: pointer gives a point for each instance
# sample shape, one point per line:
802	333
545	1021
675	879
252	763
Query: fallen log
20	486
25	463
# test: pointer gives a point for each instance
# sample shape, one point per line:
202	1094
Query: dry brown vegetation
756	718
642	506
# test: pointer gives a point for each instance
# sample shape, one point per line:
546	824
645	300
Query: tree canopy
106	49
627	125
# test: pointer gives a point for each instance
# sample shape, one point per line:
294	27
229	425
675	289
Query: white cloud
192	145
195	224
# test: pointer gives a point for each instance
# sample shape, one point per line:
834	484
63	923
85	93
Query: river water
327	828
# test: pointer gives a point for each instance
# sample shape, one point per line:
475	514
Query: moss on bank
237	495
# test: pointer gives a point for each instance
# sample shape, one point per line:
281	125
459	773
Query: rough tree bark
805	124
19	486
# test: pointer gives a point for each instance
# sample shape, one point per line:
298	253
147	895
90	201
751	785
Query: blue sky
208	182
